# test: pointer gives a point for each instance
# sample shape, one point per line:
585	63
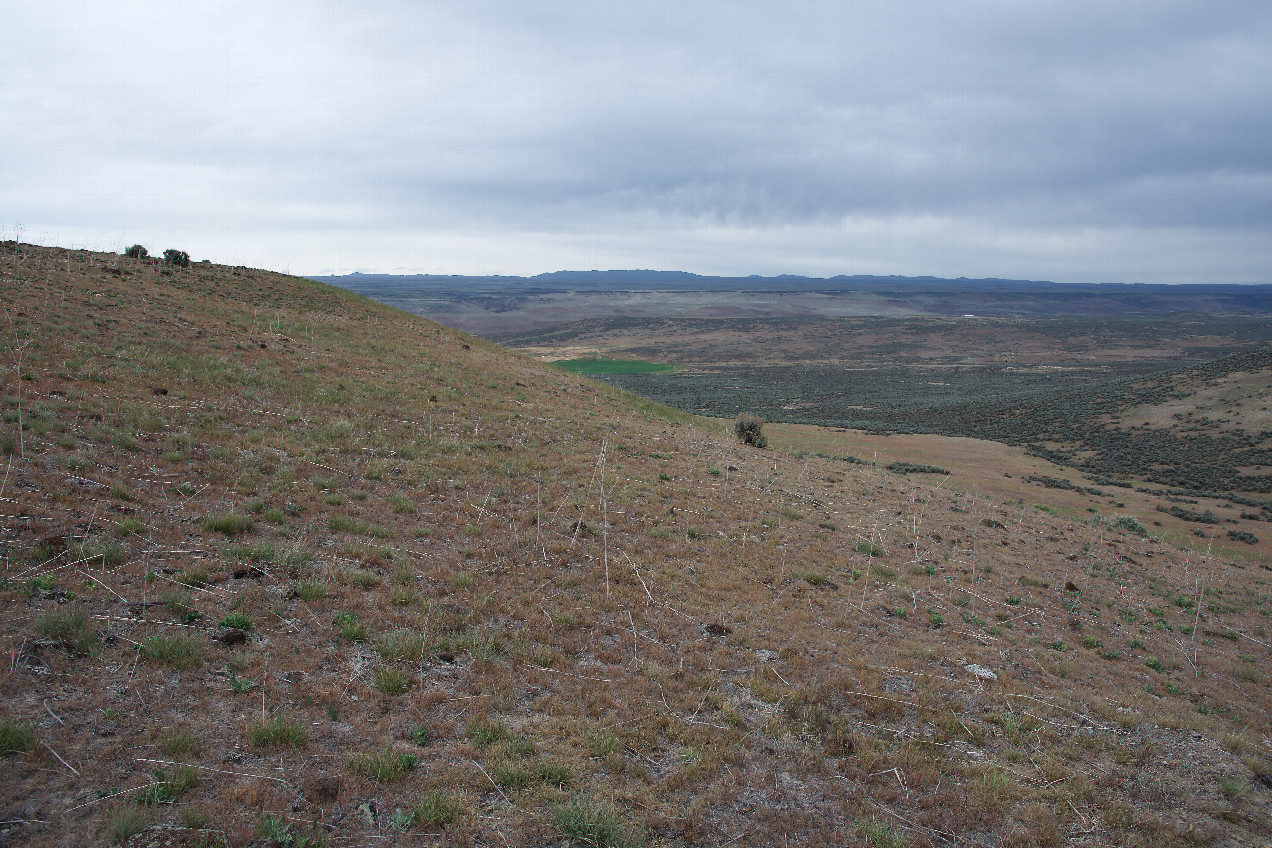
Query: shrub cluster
176	257
750	430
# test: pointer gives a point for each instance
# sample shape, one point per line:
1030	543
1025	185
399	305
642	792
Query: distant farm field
594	366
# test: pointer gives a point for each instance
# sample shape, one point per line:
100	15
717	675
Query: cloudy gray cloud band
1074	141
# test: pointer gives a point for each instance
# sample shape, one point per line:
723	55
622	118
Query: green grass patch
277	731
17	737
596	823
228	524
391	681
179	652
71	630
598	365
433	809
385	765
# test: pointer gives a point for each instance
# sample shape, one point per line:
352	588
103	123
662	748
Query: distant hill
492	305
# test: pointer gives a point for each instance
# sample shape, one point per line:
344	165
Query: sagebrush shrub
176	257
750	430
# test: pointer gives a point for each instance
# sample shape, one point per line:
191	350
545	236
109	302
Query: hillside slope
285	566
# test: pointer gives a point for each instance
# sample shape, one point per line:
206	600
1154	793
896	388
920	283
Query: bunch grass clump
277	731
594	822
17	737
228	523
175	651
385	765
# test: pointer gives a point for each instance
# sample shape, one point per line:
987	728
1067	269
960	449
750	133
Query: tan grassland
284	566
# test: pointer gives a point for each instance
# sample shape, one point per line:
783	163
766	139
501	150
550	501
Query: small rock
233	636
980	671
1070	586
718	630
765	655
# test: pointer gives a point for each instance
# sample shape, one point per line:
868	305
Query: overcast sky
1117	140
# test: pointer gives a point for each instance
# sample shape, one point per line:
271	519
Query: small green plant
401	504
194	818
401	644
594	822
125	823
71	630
881	834
179	652
1130	525
750	430
345	524
384	765
1154	663
1058	645
17	737
275	830
869	548
168	790
1013	601
240	684
36	585
434	809
419	735
130	527
228	524
391	681
1232	787
602	744
351	630
196	576
181	744
310	590
277	731
514	776
237	621
483	732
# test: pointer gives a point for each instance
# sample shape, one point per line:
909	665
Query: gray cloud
1073	140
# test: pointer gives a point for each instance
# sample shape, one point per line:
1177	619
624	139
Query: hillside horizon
648	278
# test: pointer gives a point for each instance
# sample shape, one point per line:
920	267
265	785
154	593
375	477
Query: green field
599	365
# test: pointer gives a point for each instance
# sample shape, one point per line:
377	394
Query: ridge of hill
283	565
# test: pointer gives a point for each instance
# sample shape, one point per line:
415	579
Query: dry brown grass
705	691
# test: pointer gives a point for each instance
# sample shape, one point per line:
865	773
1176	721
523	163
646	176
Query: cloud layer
1075	141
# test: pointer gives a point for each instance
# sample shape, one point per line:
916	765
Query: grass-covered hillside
285	567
